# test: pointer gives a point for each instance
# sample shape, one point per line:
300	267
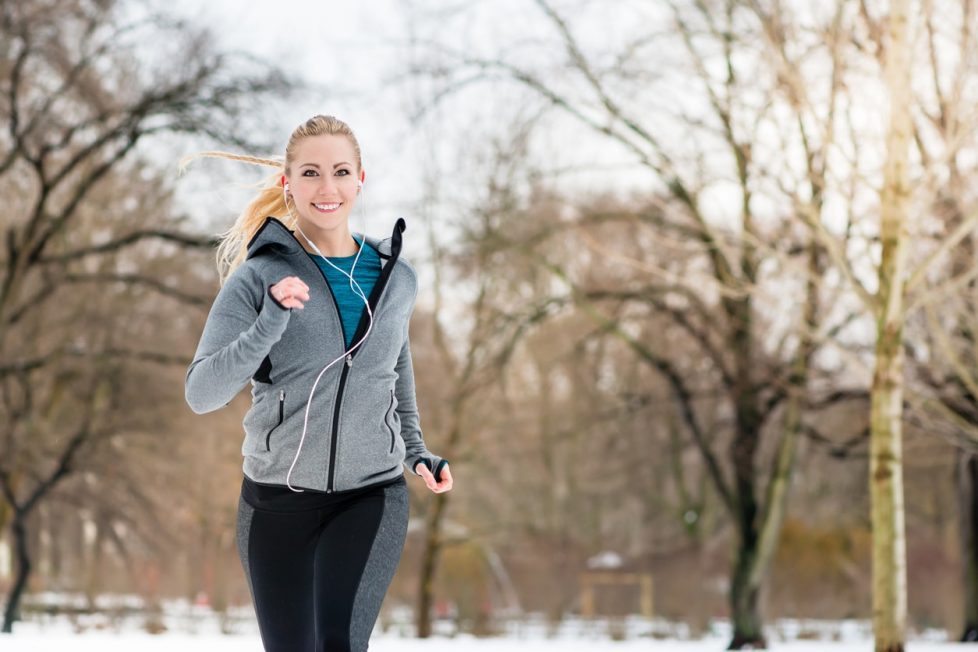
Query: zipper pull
349	359
281	395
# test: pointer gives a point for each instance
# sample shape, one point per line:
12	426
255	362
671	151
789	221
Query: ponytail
270	200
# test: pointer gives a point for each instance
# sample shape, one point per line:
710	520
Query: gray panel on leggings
243	535
385	554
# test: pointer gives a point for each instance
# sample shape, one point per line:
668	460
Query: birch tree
886	420
902	279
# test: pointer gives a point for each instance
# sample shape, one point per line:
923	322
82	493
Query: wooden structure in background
590	579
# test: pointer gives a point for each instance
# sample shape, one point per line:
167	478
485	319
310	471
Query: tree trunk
886	492
968	509
744	590
745	585
93	572
433	528
744	607
756	551
429	563
758	555
886	428
12	612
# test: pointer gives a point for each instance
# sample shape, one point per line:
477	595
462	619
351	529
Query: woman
316	318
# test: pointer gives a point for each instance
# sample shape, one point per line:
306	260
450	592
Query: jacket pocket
281	416
387	420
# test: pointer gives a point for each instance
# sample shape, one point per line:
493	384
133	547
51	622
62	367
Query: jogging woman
316	317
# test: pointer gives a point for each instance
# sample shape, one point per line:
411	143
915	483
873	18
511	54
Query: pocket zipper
389	426
281	415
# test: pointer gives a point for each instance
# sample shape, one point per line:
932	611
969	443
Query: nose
327	185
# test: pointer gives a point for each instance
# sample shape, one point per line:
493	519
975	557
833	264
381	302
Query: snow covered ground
34	642
194	628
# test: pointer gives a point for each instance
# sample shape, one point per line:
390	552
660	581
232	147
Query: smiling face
323	182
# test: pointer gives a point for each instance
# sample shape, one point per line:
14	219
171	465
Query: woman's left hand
429	478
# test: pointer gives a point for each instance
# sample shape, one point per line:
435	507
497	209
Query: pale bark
886	432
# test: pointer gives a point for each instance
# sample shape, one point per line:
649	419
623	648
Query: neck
331	243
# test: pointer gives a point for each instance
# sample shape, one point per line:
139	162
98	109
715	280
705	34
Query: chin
326	221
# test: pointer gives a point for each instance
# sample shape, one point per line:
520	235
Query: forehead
326	150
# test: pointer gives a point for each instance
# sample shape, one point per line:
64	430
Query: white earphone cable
355	287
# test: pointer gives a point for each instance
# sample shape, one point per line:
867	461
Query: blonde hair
233	248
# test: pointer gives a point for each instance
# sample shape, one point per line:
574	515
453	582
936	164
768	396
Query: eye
343	171
304	172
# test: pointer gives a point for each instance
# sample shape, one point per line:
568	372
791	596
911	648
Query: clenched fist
291	292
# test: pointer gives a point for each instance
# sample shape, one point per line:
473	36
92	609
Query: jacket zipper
281	416
378	291
336	422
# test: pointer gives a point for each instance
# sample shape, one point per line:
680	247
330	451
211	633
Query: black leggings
318	575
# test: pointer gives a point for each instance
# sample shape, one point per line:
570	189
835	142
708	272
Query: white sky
346	46
358	50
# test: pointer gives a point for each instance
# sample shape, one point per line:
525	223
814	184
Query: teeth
327	207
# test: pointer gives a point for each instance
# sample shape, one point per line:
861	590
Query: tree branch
202	242
674	378
136	279
31	364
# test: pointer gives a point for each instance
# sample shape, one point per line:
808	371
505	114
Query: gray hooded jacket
363	418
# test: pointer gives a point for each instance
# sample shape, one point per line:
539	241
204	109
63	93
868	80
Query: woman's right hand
291	292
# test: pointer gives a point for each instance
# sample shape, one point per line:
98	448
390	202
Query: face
323	182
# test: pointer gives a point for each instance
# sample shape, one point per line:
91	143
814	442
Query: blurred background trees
96	296
760	128
649	240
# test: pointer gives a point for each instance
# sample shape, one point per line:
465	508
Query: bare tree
731	259
79	96
470	357
900	274
886	424
779	98
942	337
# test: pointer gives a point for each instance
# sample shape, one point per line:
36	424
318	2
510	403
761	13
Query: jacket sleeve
243	324
407	411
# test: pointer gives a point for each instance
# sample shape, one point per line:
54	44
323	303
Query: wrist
271	296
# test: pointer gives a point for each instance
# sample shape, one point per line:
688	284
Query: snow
121	624
202	635
41	642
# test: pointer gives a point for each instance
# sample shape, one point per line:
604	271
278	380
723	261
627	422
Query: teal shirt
366	274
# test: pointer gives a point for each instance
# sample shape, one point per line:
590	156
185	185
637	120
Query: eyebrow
317	167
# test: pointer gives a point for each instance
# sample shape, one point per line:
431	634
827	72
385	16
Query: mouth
327	208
